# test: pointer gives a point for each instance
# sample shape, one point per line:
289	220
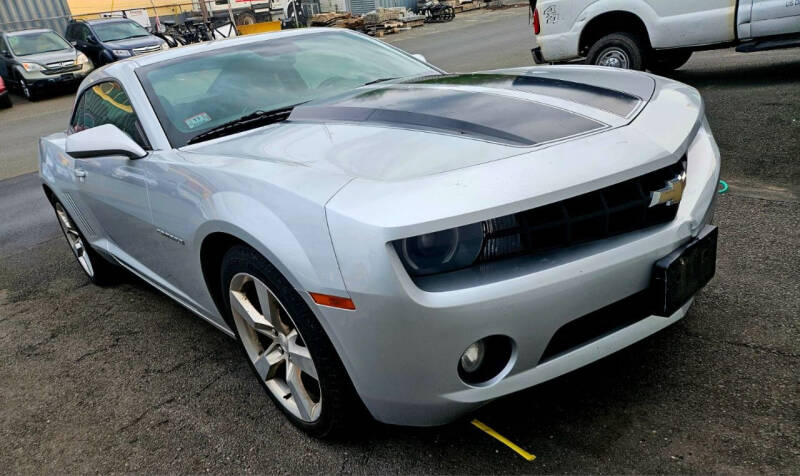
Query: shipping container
410	5
166	9
27	14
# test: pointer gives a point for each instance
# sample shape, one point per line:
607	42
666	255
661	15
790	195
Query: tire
663	62
620	50
331	403
245	18
26	90
99	270
5	102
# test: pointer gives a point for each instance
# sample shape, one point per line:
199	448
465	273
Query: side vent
83	223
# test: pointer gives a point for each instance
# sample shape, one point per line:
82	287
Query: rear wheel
97	268
285	346
617	50
662	62
5	102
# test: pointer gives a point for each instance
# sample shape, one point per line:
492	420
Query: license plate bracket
678	276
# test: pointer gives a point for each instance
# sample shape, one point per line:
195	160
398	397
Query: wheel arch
212	251
275	242
612	22
48	192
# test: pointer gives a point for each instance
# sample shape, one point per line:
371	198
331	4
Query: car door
774	17
87	43
115	187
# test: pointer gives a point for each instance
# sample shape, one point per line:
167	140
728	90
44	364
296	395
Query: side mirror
7	54
103	141
73	43
420	57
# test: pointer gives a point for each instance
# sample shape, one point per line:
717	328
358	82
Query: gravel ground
123	379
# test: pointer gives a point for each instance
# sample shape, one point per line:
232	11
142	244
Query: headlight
164	46
441	251
81	59
31	67
121	53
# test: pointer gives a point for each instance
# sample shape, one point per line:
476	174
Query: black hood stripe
609	100
412	120
473	114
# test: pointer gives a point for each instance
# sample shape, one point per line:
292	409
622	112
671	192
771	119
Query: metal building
26	14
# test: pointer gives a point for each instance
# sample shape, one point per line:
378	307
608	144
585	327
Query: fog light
472	358
487	360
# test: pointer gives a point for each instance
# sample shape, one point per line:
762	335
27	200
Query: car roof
26	32
98	21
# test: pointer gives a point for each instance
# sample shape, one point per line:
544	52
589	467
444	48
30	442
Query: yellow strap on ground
502	439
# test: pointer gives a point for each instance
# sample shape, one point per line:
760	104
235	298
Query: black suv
110	39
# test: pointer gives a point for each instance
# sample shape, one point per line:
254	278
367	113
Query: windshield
119	30
197	93
33	43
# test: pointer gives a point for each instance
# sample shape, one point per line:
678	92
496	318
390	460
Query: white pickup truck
659	35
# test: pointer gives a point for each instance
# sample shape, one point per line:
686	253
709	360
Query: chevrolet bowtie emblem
671	193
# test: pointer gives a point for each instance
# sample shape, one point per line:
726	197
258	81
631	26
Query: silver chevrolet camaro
382	237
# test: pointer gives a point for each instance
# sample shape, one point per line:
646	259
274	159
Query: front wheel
617	50
26	90
285	346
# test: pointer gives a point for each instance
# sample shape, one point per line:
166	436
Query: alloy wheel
26	91
75	240
614	57
275	347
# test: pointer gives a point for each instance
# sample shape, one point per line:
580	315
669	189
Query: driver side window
107	103
82	33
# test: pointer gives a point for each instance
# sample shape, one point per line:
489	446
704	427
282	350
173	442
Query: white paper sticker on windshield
197	120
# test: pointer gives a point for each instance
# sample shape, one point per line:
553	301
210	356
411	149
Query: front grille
598	324
613	210
55	68
146	49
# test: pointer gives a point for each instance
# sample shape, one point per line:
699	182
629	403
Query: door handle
80	173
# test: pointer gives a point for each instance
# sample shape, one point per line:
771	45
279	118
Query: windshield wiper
379	80
127	37
246	122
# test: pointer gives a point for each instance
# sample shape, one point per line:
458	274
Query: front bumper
39	80
402	344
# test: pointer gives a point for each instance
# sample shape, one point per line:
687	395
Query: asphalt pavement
123	379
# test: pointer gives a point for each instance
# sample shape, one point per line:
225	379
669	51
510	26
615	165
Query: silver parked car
378	234
37	60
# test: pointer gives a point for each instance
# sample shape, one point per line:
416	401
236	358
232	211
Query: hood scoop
426	106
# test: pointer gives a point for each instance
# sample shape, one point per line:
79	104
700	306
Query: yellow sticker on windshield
197	120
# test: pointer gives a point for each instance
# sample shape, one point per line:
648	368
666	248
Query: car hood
132	43
410	128
51	57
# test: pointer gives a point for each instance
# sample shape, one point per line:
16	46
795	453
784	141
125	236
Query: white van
659	35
